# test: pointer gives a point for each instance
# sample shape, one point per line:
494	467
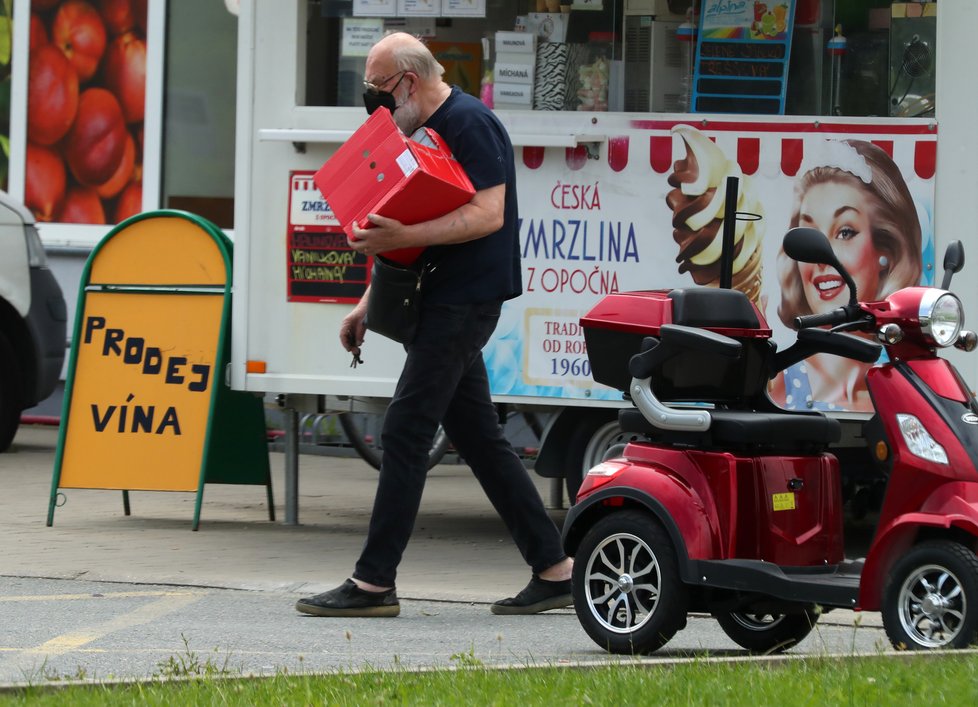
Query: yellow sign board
139	413
146	405
783	501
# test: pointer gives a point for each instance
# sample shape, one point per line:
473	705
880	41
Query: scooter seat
739	429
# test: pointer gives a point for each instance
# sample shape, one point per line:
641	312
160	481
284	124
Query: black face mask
372	100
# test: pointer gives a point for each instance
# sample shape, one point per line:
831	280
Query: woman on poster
853	192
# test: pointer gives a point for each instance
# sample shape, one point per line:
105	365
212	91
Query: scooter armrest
662	416
675	340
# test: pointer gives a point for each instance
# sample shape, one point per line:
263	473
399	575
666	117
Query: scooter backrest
712	307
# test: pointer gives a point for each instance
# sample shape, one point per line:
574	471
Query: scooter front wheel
931	597
627	592
765	632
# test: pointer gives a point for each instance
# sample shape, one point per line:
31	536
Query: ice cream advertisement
745	19
645	210
85	107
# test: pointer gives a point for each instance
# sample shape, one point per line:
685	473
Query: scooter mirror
809	245
953	262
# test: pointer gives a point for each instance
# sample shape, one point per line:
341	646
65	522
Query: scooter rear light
599	475
605	469
919	441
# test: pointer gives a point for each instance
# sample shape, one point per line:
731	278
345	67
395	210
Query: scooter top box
615	326
381	171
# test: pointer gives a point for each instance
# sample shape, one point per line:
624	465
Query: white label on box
517	93
407	162
521	42
513	73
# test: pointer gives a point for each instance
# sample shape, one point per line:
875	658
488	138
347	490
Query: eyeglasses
378	86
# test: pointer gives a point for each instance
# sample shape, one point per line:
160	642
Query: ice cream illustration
697	200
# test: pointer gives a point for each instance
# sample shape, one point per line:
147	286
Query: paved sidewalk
460	550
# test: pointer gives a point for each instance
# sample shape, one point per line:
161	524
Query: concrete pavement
460	555
460	550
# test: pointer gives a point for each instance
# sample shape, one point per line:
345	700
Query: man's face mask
374	97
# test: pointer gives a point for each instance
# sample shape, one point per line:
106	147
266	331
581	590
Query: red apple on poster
96	142
123	174
125	75
82	205
130	202
78	30
139	13
39	33
44	182
118	15
52	95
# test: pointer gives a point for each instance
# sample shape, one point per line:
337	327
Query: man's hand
352	328
385	234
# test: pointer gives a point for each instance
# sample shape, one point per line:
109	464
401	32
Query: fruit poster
86	100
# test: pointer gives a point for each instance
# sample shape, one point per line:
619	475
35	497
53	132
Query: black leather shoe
539	595
349	600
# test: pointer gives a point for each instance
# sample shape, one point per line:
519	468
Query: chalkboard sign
742	53
321	266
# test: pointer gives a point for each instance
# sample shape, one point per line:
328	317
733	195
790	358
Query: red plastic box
379	170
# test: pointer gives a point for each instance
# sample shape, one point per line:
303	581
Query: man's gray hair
416	57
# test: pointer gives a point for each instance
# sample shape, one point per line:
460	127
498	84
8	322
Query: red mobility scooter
722	502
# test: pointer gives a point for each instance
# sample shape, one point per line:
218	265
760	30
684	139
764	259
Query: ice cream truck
627	117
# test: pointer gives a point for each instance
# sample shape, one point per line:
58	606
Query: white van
33	319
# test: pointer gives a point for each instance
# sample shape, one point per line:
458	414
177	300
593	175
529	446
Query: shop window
199	111
795	57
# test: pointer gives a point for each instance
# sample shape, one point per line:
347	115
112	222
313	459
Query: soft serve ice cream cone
697	200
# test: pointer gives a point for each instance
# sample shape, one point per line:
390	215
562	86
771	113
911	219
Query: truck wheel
627	592
595	436
11	394
766	633
370	450
931	597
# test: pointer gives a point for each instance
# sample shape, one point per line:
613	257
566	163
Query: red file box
379	170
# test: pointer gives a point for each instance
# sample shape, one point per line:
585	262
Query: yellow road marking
167	604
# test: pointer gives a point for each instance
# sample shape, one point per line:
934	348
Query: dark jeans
444	380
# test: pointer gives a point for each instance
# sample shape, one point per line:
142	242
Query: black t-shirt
488	268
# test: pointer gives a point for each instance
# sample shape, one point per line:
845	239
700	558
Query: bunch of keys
356	358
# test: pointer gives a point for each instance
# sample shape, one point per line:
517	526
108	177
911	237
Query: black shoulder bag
395	299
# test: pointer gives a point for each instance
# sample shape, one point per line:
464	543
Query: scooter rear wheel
931	597
767	633
627	592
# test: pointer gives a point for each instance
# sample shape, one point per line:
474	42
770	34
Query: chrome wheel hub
932	606
622	583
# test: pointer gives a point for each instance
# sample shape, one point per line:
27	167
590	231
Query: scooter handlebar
836	316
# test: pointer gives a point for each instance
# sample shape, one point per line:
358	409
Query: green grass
878	680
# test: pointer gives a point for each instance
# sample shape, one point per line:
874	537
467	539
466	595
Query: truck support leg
291	466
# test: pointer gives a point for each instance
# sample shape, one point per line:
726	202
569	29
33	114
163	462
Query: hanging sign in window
742	54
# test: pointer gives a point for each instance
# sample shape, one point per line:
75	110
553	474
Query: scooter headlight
941	317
